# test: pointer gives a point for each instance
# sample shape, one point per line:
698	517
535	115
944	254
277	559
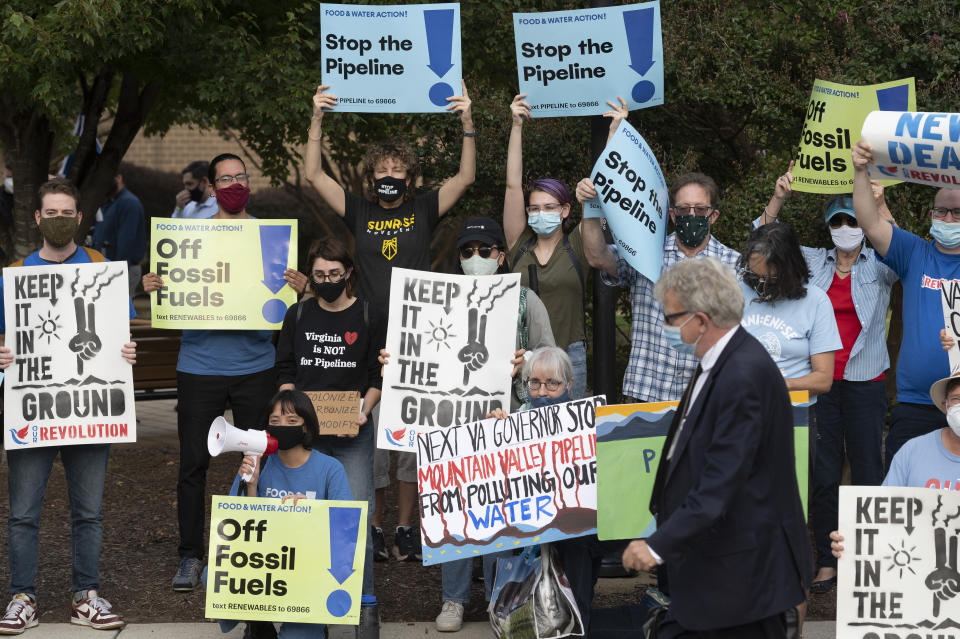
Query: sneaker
379	545
90	609
406	544
188	574
21	614
450	618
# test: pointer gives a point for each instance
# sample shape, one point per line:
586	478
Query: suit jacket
730	525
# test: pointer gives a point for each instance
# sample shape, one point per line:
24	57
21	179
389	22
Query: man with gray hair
726	497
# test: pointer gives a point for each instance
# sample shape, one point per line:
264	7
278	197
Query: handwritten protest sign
505	483
68	383
835	115
572	62
898	576
632	194
337	411
391	58
270	561
916	147
450	339
630	439
950	296
222	274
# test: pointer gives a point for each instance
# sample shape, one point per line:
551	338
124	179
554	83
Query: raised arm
617	114
514	217
781	192
877	230
595	247
455	187
328	188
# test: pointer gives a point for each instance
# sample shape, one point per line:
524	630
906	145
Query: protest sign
391	58
450	339
916	147
68	383
632	194
273	561
222	274
497	484
950	296
573	62
835	115
630	439
898	576
337	411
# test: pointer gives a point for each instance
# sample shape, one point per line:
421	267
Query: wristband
469	134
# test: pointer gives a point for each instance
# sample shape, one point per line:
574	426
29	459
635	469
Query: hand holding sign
519	109
617	114
862	156
461	104
323	102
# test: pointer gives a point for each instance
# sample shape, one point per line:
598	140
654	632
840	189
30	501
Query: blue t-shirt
792	330
205	352
34	259
321	477
920	266
924	462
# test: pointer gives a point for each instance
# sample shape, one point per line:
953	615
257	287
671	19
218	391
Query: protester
392	229
84	465
545	251
122	234
725	497
195	200
216	368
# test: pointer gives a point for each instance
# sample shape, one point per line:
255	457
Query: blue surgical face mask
545	223
540	402
674	336
947	234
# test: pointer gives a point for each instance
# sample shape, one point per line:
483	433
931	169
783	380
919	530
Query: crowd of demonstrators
122	233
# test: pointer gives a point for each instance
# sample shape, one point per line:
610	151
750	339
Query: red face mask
234	198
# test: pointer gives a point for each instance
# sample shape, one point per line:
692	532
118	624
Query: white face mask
8	185
953	419
846	238
476	265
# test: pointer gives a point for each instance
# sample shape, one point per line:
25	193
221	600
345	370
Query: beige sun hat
938	391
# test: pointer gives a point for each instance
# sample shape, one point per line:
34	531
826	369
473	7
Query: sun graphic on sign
901	558
48	326
439	334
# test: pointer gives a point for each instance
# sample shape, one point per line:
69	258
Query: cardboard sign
391	58
337	411
450	339
898	575
66	324
630	439
632	194
950	296
507	483
916	147
834	117
270	561
222	274
572	62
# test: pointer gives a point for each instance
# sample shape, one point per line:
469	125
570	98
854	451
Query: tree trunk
31	144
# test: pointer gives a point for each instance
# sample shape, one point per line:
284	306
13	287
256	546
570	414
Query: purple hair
551	186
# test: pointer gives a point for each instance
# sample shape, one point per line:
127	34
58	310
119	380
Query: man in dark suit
730	536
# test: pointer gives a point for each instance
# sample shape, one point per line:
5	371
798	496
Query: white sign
913	146
950	296
450	339
68	383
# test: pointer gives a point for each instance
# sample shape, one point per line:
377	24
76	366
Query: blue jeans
578	356
908	421
356	455
85	467
850	420
456	575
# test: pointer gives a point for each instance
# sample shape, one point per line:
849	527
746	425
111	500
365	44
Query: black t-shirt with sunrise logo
388	238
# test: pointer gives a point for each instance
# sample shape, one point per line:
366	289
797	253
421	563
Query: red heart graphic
350	337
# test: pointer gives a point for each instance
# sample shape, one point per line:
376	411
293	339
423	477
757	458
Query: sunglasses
466	252
840	219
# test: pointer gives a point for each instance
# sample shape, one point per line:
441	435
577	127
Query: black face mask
329	291
196	194
692	230
389	189
287	436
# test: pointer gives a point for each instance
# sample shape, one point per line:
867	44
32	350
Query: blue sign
573	62
632	194
391	59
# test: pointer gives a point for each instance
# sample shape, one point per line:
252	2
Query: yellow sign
270	561
831	127
222	274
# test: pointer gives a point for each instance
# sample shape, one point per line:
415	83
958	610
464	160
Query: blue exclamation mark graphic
439	26
344	527
274	250
639	26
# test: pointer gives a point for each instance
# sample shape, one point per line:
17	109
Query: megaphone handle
256	460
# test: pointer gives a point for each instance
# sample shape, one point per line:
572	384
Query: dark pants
774	627
200	400
580	558
849	420
908	421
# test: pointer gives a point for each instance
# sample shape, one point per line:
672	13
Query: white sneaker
21	614
450	618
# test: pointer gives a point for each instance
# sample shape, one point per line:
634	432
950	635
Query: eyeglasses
750	276
534	209
226	180
332	276
466	252
940	213
551	384
840	219
669	317
687	210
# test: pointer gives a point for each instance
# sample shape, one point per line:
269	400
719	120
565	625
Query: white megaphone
224	437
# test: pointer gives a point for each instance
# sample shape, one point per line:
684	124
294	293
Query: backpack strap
95	256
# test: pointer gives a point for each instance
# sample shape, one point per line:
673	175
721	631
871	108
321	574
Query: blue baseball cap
842	204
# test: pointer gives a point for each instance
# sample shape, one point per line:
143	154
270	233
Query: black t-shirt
324	350
388	238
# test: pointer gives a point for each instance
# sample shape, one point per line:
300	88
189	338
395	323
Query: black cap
483	229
